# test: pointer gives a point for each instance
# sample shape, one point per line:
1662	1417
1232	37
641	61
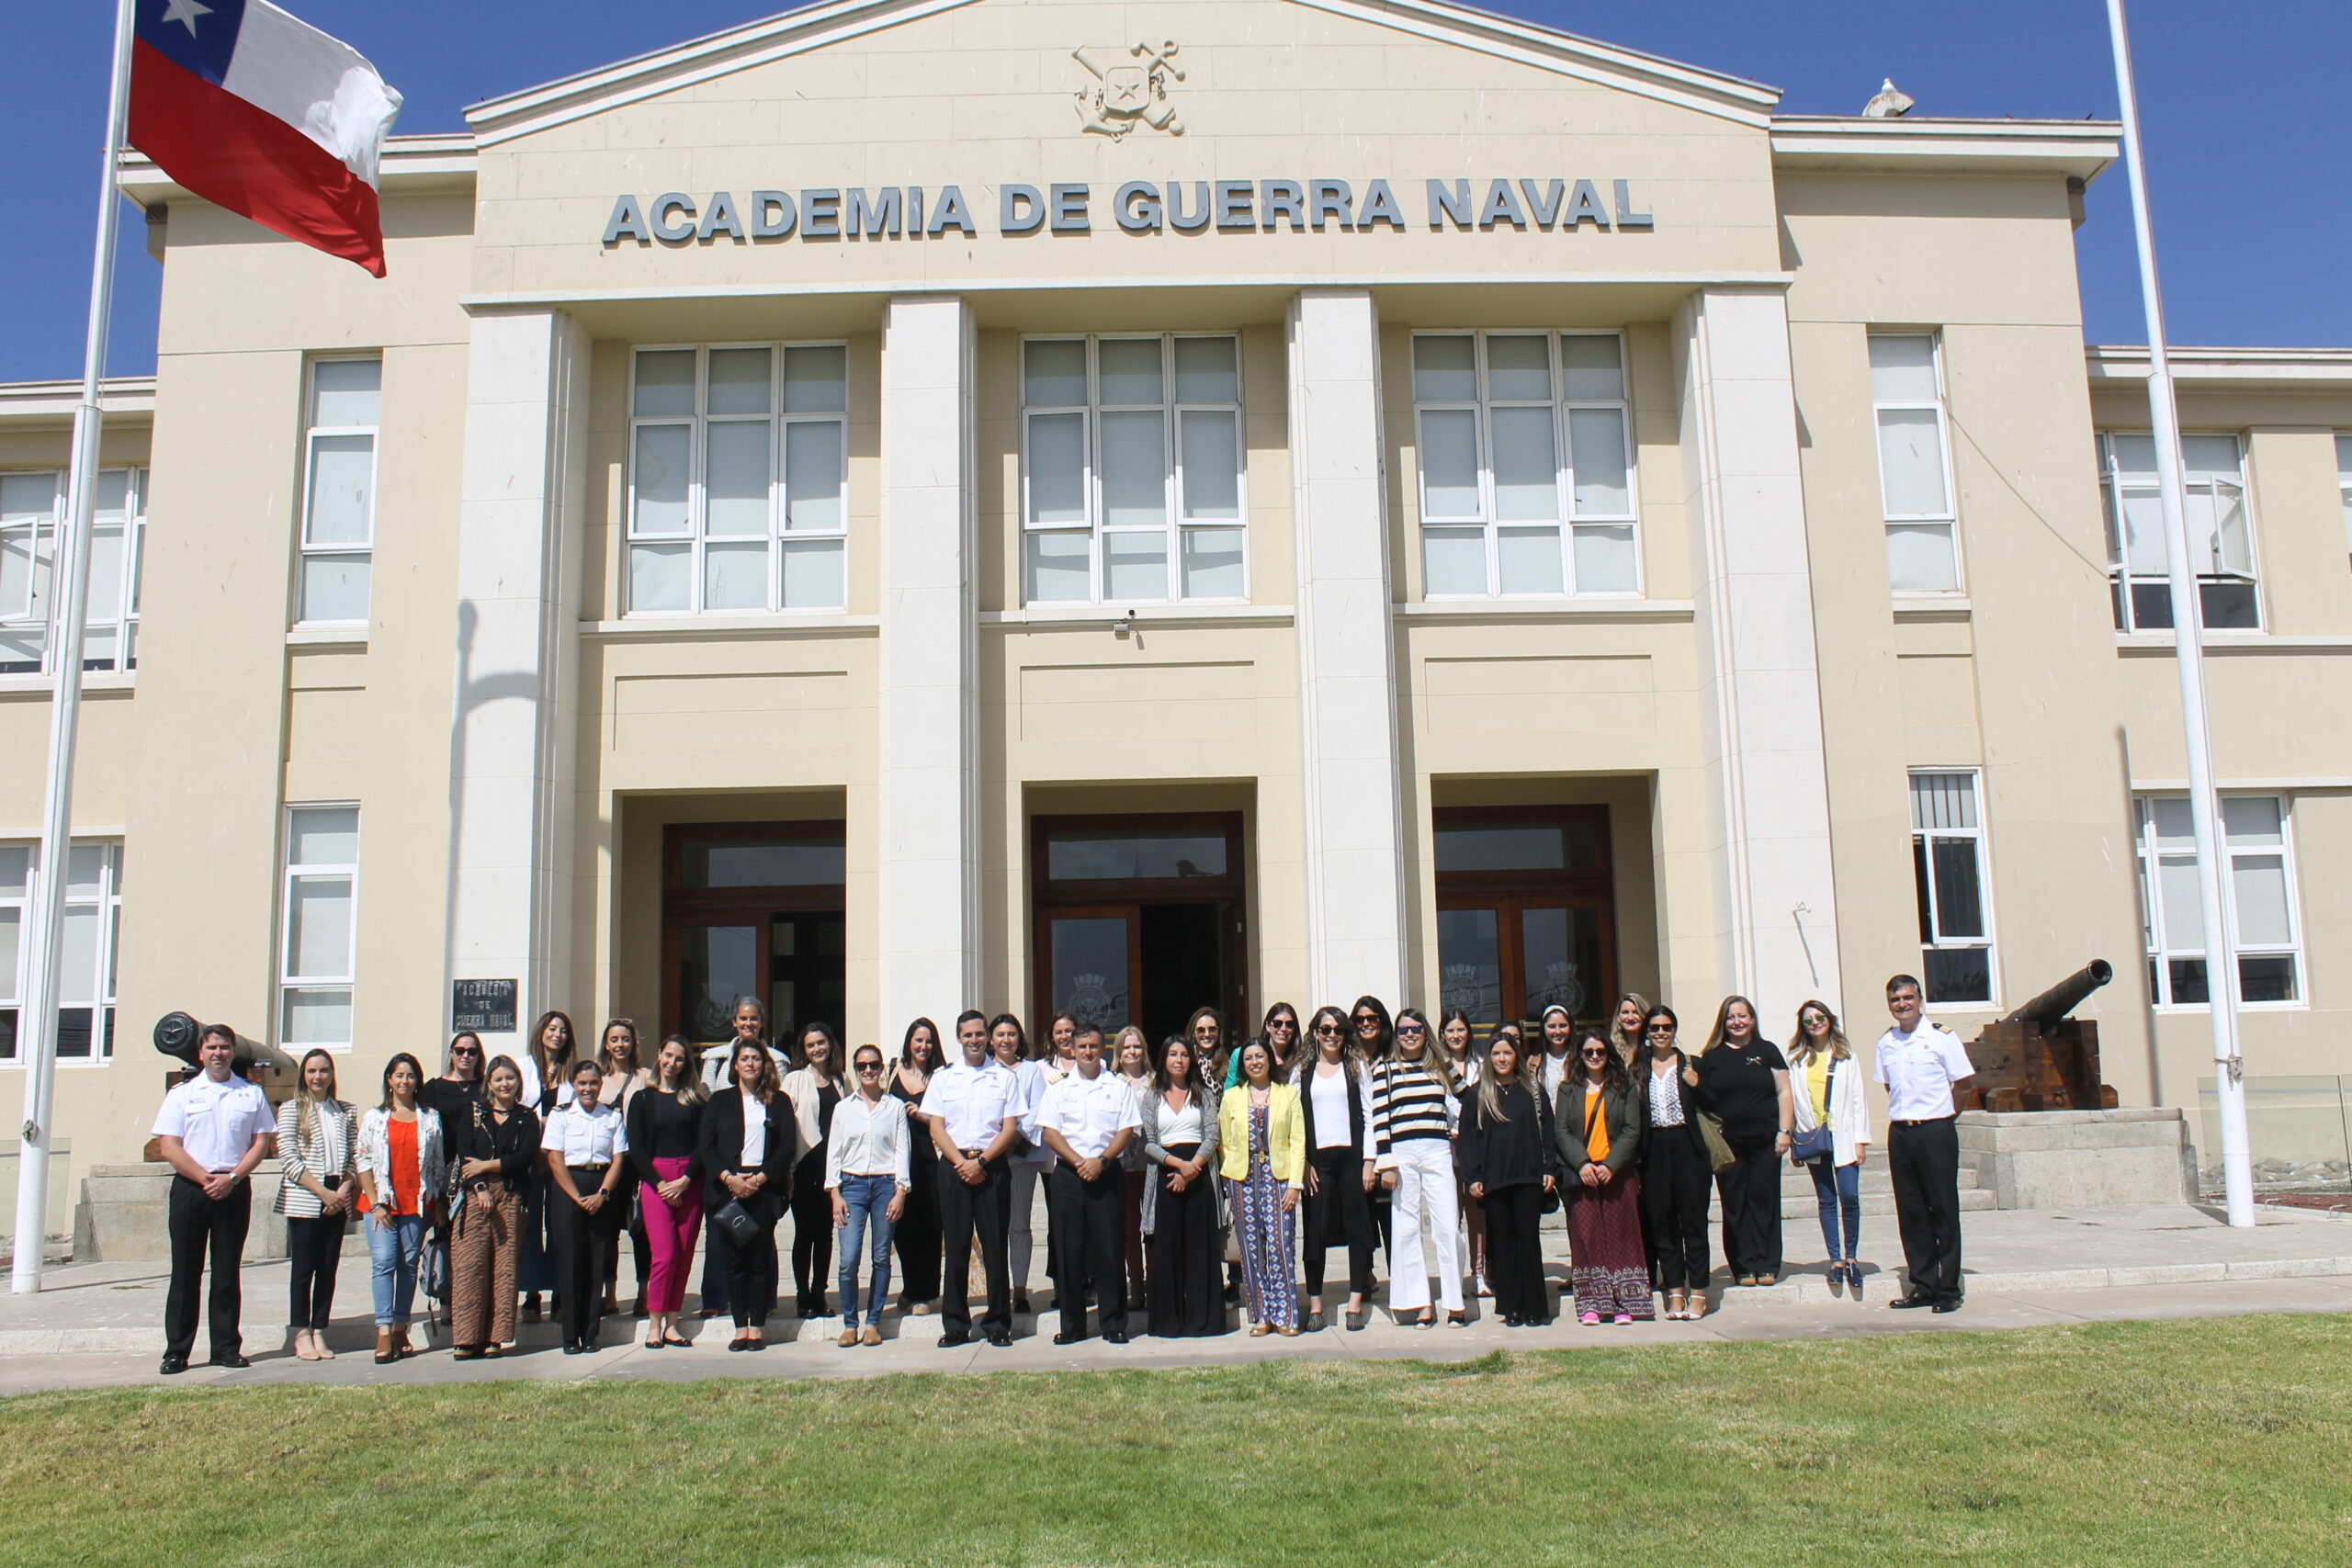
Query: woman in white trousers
1414	1107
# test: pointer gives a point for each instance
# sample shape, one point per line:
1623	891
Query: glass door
1526	918
1139	918
753	909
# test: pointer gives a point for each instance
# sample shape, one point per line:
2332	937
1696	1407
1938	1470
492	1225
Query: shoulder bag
1818	1139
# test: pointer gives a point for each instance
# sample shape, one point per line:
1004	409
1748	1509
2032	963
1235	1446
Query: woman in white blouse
868	1171
317	1184
1828	1098
582	1145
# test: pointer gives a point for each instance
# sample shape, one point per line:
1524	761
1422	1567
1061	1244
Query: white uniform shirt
973	1102
869	1140
1919	1070
1089	1113
215	1122
585	1137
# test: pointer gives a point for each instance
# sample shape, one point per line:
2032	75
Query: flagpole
69	595
2189	657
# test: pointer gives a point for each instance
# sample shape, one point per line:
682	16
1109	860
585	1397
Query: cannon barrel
2046	1009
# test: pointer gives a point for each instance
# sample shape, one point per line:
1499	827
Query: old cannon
2040	1059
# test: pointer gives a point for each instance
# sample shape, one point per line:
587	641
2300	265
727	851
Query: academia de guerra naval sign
1138	206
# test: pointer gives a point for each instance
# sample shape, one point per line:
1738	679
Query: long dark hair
938	1046
1026	1051
545	1061
1386	1046
413	1066
833	1042
1612	1072
1192	1078
689	1091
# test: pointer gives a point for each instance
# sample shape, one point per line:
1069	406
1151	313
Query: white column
518	592
1349	764
930	880
1776	912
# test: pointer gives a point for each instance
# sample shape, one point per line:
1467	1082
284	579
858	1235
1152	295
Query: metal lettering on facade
833	213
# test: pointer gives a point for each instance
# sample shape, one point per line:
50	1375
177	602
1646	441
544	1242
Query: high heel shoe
385	1356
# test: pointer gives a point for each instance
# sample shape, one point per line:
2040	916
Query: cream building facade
912	505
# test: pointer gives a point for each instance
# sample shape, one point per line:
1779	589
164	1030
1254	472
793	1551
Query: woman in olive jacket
1598	1119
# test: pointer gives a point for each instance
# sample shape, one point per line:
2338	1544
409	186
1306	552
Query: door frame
755	905
1126	896
1511	892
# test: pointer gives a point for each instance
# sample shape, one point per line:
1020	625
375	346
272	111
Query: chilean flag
263	114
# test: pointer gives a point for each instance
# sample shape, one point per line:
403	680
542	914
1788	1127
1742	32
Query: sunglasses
869	1066
465	1050
1409	1029
1366	1021
1596	1053
1326	1029
1661	1029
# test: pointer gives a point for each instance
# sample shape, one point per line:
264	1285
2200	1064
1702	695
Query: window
1948	866
1526	466
1131	473
1914	464
31	506
86	968
2221	541
2344	484
321	906
339	490
738	479
2257	898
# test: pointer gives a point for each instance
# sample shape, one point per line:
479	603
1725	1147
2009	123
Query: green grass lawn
2227	1441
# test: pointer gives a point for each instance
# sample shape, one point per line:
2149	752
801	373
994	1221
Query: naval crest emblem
1129	92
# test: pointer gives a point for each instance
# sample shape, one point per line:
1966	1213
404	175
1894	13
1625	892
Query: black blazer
1515	1150
1304	1080
473	1135
721	1148
1693	1101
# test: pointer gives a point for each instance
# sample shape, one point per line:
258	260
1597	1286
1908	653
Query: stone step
1801	1204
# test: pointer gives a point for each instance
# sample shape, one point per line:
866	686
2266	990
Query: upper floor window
86	969
1131	475
739	479
2344	484
1948	870
31	506
1914	464
1526	463
319	914
2221	539
339	490
2257	901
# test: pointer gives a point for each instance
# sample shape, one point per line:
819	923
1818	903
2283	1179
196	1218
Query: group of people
1181	1178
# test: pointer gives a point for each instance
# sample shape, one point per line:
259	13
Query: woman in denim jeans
868	1171
1827	1082
404	1170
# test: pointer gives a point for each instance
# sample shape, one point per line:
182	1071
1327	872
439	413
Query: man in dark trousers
214	1130
1918	1062
1087	1120
972	1106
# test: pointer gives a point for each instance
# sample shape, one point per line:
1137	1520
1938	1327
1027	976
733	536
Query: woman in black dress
1744	1079
1509	1162
917	1233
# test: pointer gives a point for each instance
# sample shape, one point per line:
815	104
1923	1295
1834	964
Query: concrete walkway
97	1325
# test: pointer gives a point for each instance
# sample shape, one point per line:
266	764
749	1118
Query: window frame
696	534
304	550
1481	405
2343	489
288	982
42	532
1924	840
2148	859
1949	517
1096	525
108	946
2121	580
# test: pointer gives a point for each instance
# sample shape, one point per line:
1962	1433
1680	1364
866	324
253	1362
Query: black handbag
737	1222
1817	1141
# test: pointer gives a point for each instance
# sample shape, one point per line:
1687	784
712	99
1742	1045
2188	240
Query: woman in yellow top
1262	1135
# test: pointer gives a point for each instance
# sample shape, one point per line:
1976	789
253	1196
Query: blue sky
2245	118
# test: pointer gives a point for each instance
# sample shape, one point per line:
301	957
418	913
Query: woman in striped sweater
1413	1113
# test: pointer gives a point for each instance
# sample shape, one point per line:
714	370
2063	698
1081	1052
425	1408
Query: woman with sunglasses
452	1097
1744	1079
1676	1176
1828	1094
1413	1111
1372	1041
815	1086
663	1121
1280	1031
1338	1171
1599	1130
917	1233
494	1149
868	1173
1510	1157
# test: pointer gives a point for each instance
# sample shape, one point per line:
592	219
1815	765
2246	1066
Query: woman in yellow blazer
1262	1134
